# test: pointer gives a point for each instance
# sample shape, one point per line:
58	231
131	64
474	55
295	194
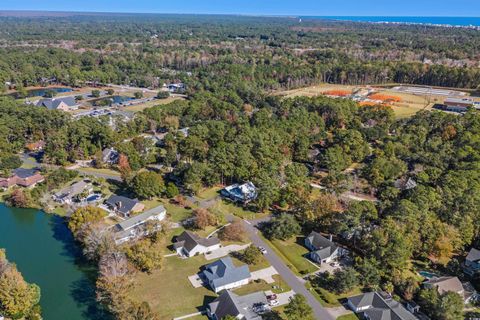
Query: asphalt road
290	278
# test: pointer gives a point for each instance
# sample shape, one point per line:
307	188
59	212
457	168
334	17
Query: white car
262	250
274	303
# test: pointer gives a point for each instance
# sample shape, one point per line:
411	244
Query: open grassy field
292	252
149	104
169	292
409	105
329	299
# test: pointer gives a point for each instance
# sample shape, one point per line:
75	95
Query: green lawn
169	292
102	171
227	208
329	299
209	193
292	252
278	286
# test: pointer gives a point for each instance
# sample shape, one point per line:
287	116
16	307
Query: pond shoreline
66	278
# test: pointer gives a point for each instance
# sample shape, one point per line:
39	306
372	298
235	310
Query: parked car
262	250
274	303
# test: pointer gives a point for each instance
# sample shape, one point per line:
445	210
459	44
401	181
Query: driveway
338	311
290	278
264	274
225	251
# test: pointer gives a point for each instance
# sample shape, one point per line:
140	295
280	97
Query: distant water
452	21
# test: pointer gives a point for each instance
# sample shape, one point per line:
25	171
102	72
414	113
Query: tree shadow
82	291
206	301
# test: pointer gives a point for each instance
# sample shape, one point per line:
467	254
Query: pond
43	249
41	92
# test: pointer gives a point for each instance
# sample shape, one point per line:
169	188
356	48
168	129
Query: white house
135	227
189	244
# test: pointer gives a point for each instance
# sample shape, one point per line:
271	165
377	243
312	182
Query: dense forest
238	132
276	52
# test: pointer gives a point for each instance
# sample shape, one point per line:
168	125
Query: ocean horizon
451	21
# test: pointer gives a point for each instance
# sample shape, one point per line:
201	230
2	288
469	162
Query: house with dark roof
64	104
124	206
322	250
223	274
110	156
472	262
243	193
23	178
452	284
189	244
135	227
248	307
379	306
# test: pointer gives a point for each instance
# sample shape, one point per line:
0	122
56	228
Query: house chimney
331	238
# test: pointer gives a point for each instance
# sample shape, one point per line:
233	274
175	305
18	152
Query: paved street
290	278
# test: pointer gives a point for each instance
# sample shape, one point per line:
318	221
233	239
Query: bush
145	256
83	216
251	255
204	218
233	232
163	95
283	227
171	191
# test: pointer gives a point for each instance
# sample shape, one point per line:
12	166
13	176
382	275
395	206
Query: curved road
290	278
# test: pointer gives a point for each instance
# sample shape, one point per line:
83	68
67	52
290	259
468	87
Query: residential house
472	262
379	306
64	104
322	250
453	284
190	244
175	87
240	193
248	307
223	274
124	206
458	104
23	178
405	184
68	194
135	227
110	156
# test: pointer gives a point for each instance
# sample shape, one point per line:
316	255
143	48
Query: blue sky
264	7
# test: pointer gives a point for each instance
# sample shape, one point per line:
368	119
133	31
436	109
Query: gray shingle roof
189	240
25	173
324	248
473	255
122	204
223	272
445	284
228	303
141	218
379	307
53	104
